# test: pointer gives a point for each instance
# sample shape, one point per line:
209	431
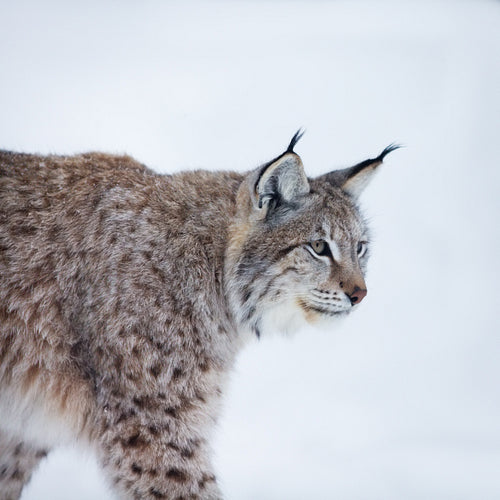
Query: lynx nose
357	295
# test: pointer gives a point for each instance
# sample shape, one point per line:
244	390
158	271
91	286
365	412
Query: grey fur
125	296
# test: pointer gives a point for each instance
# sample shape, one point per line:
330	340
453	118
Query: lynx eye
361	248
320	247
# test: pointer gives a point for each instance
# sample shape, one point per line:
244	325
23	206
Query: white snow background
401	400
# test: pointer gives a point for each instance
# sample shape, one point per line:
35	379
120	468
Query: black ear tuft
295	139
374	161
389	149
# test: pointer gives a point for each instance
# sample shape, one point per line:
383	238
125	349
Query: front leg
18	460
156	448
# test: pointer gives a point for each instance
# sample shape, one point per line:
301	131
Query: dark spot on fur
159	273
177	373
134	441
247	294
177	475
153	430
54	232
152	472
171	411
186	403
118	363
162	395
126	415
16	474
136	469
126	258
139	402
173	446
155	370
17	449
187	453
24	230
157	494
3	471
41	454
76	350
206	478
205	365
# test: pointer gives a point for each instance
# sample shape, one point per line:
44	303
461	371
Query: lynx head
299	246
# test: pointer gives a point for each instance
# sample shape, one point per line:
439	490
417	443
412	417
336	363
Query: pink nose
357	295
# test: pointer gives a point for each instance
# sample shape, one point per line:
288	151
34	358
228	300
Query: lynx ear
282	181
353	180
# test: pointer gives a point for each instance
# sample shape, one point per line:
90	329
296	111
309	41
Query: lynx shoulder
125	296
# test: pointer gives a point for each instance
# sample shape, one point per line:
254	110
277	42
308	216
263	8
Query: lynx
125	296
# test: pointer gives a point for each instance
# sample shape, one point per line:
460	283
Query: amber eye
361	248
320	247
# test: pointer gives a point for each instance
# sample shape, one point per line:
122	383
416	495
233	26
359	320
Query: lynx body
125	296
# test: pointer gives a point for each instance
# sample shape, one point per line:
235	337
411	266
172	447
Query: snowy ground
401	401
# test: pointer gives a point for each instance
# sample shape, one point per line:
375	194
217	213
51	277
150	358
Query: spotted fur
125	296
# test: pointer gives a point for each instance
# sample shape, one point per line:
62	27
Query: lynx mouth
322	308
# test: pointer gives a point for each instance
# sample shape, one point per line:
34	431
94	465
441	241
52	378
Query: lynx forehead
125	296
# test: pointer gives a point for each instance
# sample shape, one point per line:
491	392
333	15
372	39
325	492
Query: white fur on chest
285	317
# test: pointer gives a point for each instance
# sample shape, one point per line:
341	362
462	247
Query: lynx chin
125	296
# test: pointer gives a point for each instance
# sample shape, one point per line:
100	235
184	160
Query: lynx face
299	248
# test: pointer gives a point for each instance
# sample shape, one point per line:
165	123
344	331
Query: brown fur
124	298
